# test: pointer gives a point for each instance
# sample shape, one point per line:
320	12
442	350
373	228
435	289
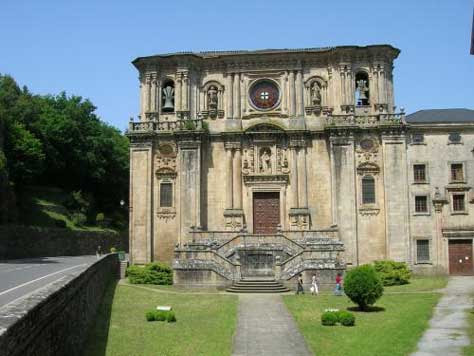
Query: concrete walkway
265	327
447	334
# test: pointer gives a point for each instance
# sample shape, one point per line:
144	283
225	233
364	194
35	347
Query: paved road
19	278
448	331
265	327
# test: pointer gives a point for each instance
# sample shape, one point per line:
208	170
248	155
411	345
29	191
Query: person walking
314	285
338	289
300	285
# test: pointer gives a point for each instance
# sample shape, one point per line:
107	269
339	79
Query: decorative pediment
368	168
166	159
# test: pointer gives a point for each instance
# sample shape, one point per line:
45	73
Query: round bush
160	315
171	318
150	316
363	286
329	318
393	273
346	318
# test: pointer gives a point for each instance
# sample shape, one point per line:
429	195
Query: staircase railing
260	241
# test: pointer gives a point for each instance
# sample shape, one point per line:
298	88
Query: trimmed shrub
171	318
346	318
329	318
151	273
150	316
99	219
392	273
363	286
160	315
78	219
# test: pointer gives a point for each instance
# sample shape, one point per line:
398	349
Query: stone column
291	83
147	92
228	201
303	189
177	93
236	96
142	80
229	89
153	94
299	93
294	177
237	179
284	97
185	92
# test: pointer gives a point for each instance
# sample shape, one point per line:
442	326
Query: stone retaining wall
18	241
56	319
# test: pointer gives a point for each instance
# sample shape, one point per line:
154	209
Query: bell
168	95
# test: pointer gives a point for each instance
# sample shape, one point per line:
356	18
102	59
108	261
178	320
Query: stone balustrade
365	120
160	126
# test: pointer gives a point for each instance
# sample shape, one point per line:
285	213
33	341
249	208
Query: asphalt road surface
20	278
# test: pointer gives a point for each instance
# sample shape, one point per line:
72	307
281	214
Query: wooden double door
266	212
460	257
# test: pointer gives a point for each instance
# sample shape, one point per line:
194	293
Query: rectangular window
458	202
422	250
368	190
421	204
166	195
419	173
457	174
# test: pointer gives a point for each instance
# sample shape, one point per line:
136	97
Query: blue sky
85	47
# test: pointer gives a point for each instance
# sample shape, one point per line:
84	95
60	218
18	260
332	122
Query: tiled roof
441	116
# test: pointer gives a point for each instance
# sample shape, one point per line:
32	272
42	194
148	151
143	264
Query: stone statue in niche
316	94
265	160
168	98
283	161
363	90
212	98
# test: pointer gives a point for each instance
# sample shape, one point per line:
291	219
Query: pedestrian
98	252
338	289
300	285
314	285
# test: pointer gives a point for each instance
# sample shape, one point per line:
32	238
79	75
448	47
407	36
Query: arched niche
316	95
212	100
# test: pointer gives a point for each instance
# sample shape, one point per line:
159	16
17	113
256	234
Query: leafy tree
363	286
60	141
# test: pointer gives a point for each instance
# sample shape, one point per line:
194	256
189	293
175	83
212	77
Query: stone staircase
257	286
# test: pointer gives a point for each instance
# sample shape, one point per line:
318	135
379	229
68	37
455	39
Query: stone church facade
279	162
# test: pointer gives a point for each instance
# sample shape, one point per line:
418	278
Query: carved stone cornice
255	179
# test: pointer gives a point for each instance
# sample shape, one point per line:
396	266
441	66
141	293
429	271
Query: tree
363	286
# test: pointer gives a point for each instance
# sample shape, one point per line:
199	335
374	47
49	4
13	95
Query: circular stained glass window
264	94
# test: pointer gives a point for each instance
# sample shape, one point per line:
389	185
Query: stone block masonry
56	319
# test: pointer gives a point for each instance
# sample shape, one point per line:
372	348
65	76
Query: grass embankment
205	324
44	206
393	328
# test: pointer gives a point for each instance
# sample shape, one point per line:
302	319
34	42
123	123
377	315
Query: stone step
257	286
283	290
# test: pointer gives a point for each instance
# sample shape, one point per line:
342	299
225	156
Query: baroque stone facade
273	162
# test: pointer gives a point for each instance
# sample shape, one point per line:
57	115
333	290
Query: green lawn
393	329
205	324
469	350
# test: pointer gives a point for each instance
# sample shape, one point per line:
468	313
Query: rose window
264	95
